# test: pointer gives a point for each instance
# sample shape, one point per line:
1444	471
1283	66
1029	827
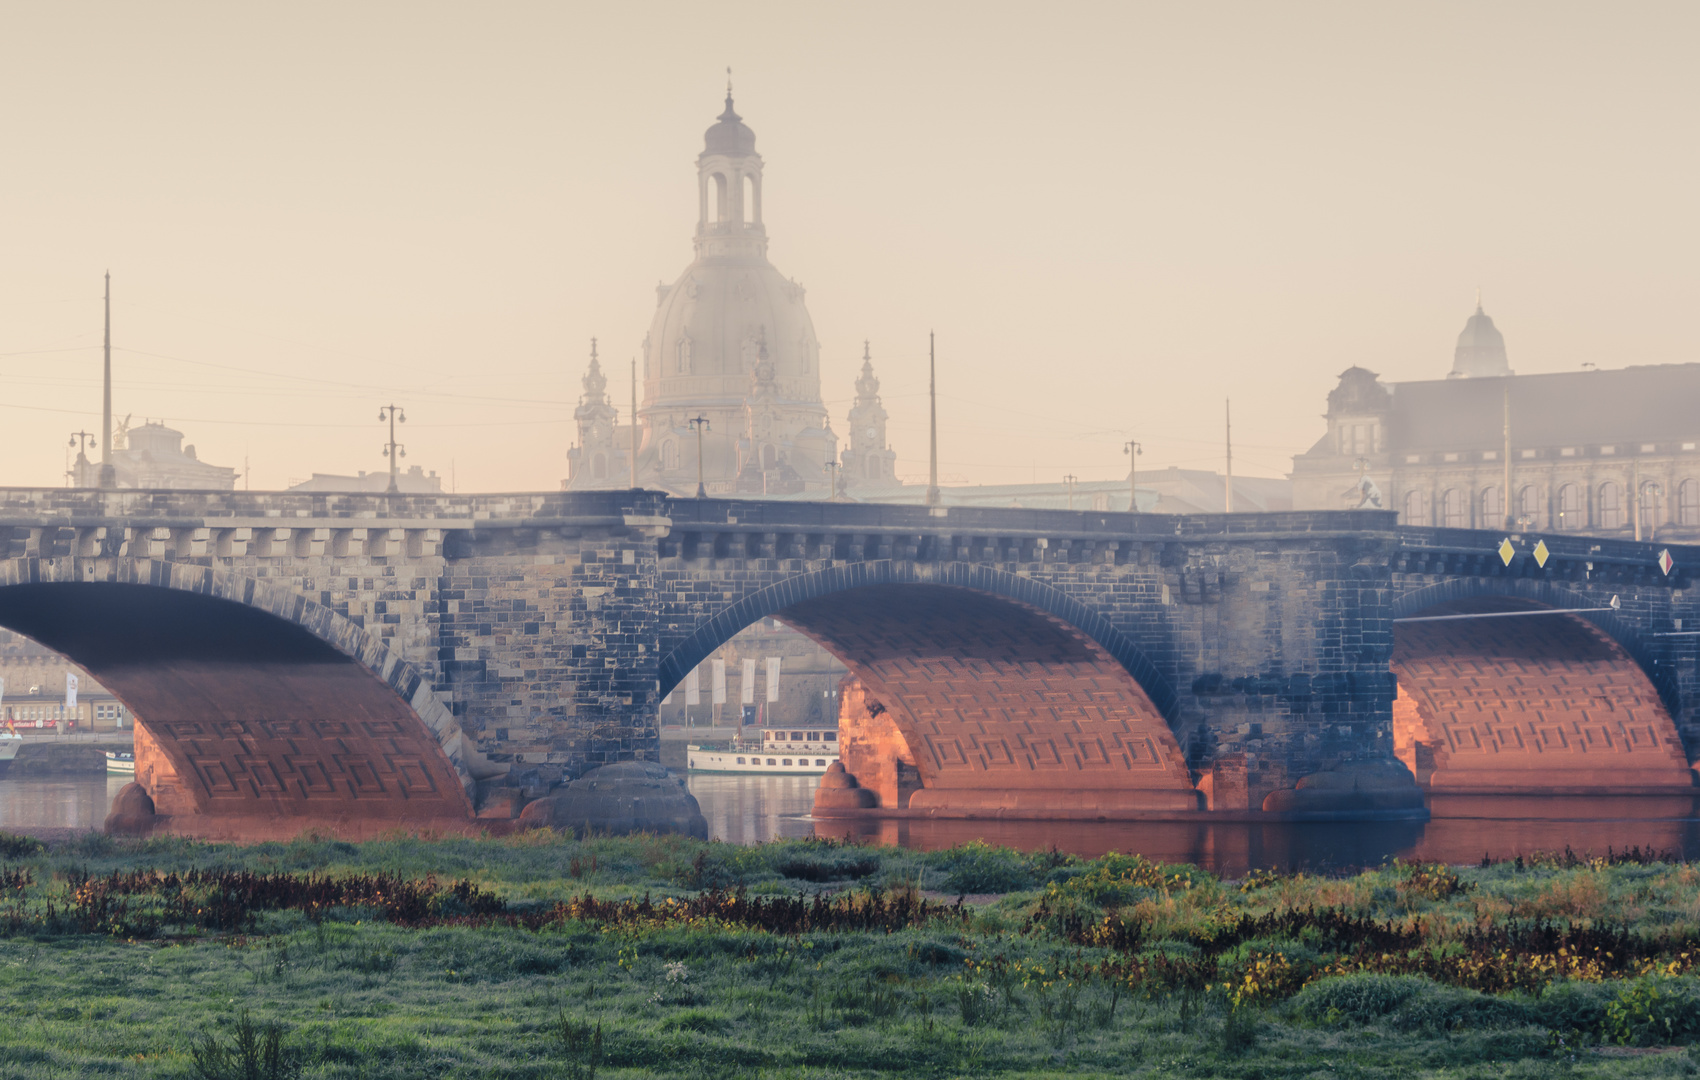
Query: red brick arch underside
1001	704
260	713
1531	705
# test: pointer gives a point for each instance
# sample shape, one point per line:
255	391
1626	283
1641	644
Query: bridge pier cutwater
363	662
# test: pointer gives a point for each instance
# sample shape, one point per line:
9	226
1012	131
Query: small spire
865	355
728	82
1478	299
593	350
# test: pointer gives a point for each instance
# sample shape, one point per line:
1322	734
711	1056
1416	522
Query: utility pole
700	423
1228	489
1510	516
1071	480
393	449
1132	450
932	425
108	476
634	422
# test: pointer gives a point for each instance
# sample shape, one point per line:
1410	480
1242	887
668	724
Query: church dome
717	320
729	136
1481	349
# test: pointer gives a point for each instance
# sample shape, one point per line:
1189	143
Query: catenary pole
932	425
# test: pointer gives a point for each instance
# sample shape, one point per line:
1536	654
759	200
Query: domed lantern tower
732	341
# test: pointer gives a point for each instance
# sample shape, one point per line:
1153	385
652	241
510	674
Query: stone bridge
362	662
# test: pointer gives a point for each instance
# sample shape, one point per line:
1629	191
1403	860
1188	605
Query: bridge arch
261	712
1566	704
1005	693
720	627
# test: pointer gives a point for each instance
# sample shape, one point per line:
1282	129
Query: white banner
693	687
773	678
747	686
720	682
70	690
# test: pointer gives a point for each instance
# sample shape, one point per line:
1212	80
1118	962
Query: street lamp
700	423
393	449
1132	450
1071	480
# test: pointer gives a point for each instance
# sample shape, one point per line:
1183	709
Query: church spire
595	383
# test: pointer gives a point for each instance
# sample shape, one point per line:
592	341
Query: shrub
1653	1011
1361	999
1436	1008
13	846
822	862
255	1053
978	867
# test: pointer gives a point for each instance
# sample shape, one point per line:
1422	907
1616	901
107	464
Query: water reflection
79	803
751	809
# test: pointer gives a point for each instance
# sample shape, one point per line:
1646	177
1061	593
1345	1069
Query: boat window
740	761
829	736
787	761
820	762
770	761
813	736
797	736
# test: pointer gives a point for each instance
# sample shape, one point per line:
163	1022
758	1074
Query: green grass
1109	967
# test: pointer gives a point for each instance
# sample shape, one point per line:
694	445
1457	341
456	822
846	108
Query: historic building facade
731	364
153	456
1605	452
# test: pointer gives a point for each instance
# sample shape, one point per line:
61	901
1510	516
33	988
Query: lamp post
393	449
700	423
82	440
1132	450
1071	480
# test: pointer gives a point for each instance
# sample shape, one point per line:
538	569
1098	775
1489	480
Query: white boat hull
765	762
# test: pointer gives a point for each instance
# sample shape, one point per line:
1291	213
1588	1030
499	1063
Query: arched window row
1573	506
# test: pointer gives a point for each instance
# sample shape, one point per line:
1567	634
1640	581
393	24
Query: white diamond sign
1666	563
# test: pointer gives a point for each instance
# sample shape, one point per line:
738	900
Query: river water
752	809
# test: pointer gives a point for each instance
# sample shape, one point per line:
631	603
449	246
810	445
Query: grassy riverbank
645	956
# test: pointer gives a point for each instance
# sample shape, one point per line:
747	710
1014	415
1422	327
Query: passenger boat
120	762
787	752
10	743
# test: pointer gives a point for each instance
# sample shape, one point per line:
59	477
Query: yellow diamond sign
1506	551
1541	554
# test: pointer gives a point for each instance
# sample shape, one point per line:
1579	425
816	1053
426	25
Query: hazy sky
1113	215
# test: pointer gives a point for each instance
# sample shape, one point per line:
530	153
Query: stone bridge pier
365	662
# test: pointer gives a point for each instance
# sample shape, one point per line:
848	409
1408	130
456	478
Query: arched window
682	356
1611	506
720	196
599	467
1570	514
752	207
670	455
1454	511
1529	507
1416	508
1688	503
769	458
874	470
1493	509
